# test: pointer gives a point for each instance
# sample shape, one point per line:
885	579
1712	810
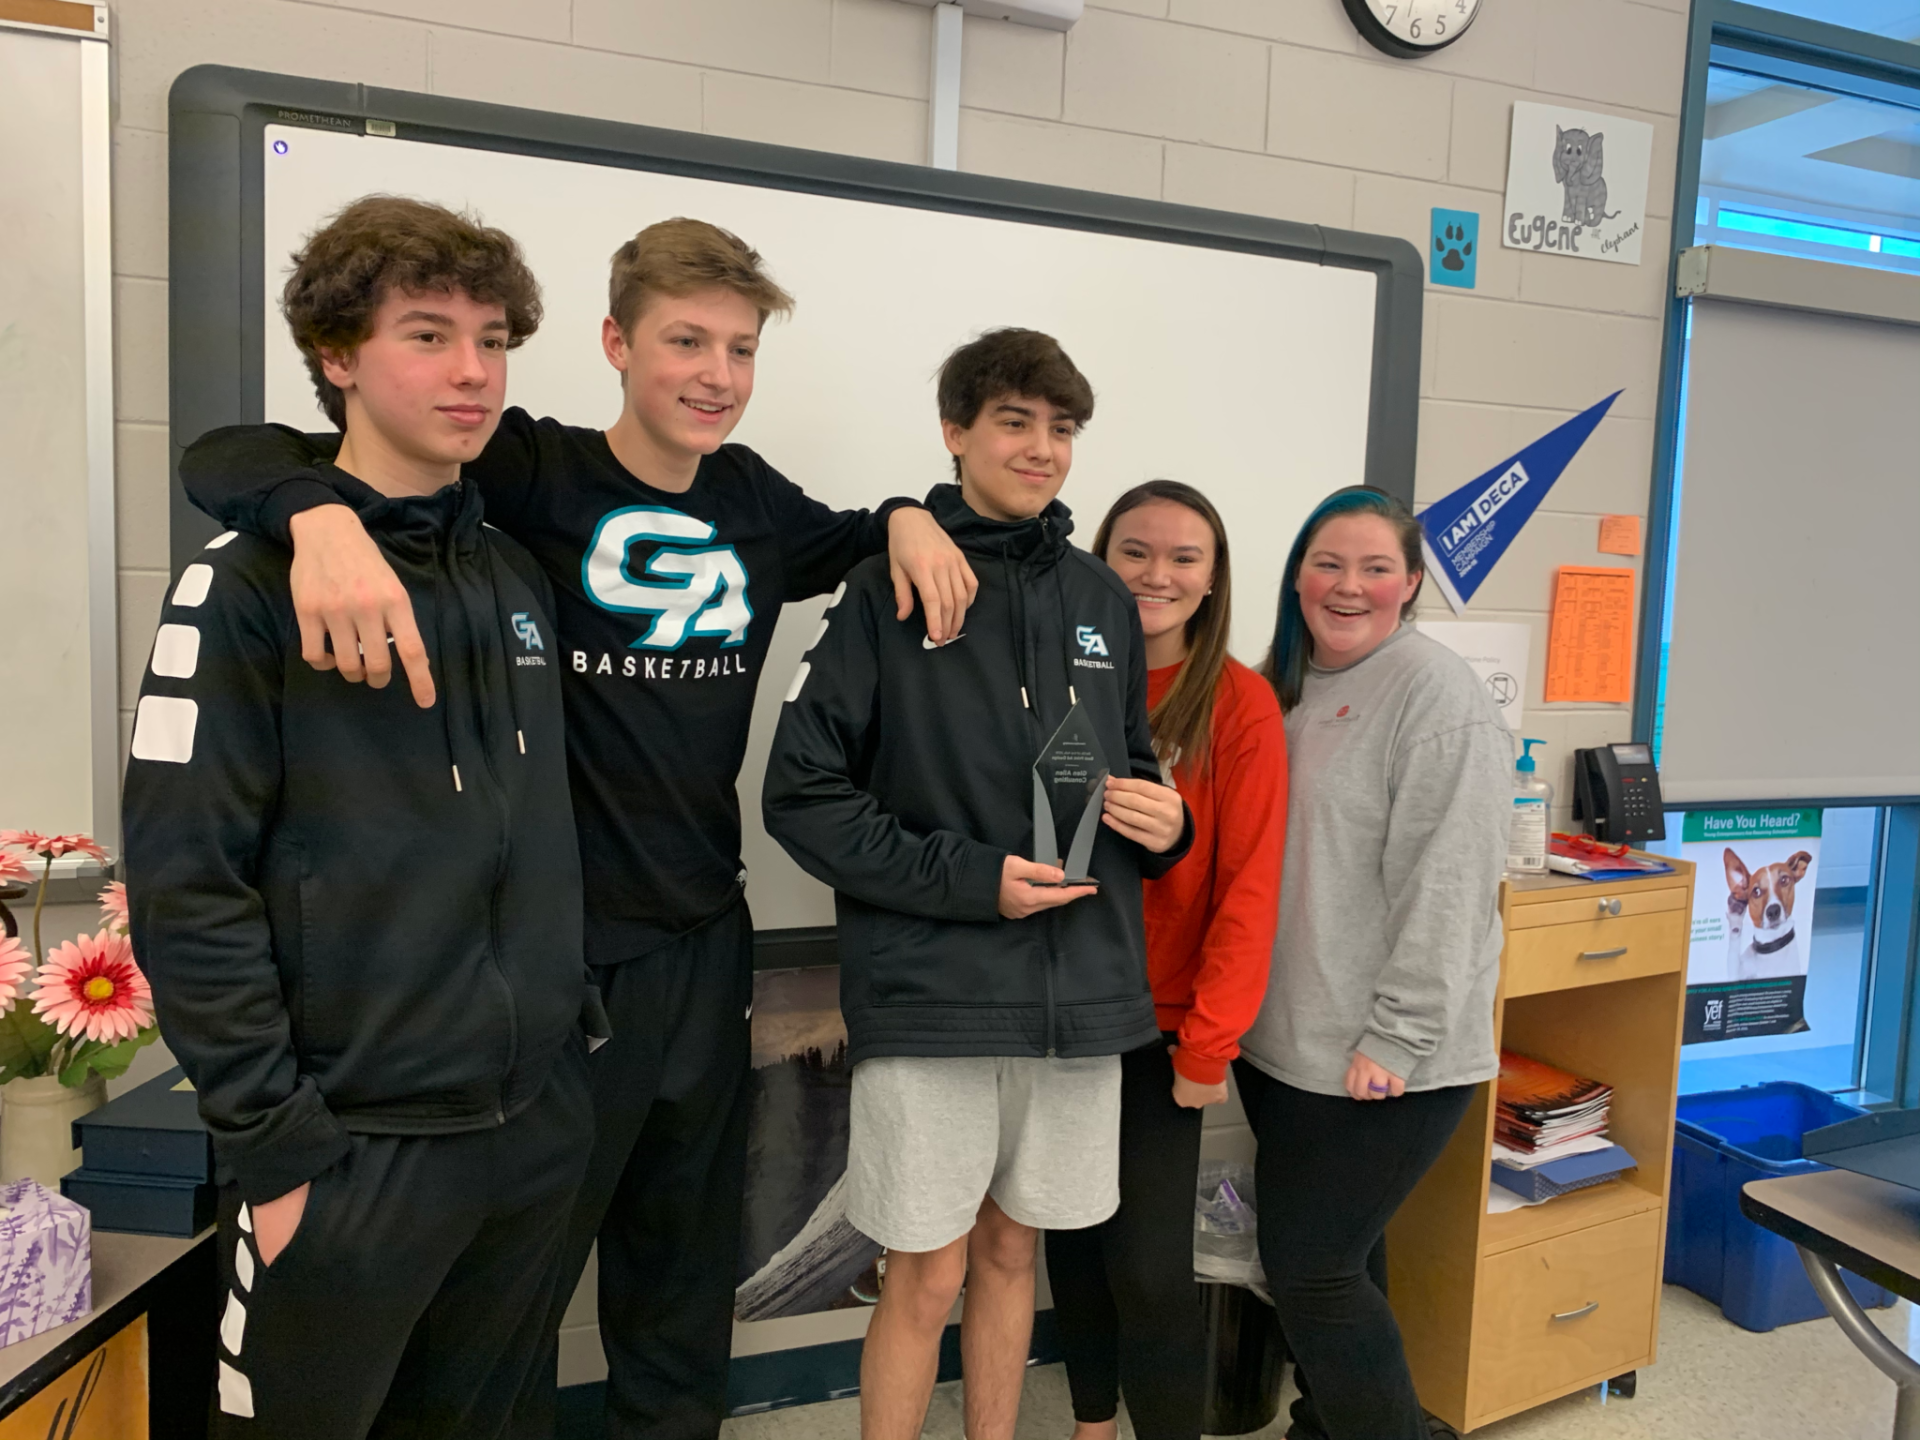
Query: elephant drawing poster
1752	921
1577	184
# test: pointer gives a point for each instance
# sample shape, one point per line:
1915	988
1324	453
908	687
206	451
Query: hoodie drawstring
502	626
441	702
1066	629
1017	621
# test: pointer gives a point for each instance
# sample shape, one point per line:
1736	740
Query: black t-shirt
665	606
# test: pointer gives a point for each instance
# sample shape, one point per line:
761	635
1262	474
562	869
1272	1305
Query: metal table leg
1892	1361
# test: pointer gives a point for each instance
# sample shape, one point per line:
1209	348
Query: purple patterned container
46	1260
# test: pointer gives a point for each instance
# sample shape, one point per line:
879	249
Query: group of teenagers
461	967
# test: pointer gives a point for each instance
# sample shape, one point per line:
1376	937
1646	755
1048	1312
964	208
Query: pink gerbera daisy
113	906
16	964
67	844
14	870
90	988
53	846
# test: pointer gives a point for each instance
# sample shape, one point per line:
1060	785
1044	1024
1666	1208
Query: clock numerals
1410	28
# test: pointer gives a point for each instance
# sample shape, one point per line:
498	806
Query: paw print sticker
1453	259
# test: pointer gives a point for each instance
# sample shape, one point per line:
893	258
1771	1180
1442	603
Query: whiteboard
58	642
1221	350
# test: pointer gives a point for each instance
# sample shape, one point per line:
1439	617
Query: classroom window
1809	146
1895	19
1795	170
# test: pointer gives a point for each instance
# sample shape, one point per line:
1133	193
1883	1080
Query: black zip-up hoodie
357	915
901	776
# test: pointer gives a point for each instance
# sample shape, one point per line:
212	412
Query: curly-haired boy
362	918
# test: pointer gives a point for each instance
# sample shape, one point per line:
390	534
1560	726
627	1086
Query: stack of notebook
146	1162
1550	1130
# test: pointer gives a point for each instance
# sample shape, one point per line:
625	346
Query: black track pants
663	1188
411	1301
1331	1171
1123	1290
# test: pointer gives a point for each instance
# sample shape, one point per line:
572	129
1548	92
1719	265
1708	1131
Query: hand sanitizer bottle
1532	798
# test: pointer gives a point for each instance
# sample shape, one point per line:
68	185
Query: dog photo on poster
798	1254
1752	921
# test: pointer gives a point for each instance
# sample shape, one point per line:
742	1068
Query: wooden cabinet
1504	1312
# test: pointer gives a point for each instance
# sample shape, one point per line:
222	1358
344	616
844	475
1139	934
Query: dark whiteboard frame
216	149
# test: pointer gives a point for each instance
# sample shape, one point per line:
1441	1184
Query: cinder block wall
1274	107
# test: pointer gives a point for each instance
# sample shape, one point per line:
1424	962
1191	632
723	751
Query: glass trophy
1069	783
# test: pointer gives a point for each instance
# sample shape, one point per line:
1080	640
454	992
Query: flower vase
36	1126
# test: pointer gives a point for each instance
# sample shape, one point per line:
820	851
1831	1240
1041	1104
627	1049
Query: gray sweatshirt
1400	776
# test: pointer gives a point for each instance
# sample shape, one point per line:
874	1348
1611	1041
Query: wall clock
1408	29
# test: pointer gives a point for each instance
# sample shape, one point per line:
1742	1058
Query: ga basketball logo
688	586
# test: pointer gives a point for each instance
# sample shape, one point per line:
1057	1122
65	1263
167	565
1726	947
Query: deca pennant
1467	533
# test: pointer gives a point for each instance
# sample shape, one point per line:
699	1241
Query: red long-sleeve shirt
1210	920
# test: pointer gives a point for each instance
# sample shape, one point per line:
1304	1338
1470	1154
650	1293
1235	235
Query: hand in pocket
275	1221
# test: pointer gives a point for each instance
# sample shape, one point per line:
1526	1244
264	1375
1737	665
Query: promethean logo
319	122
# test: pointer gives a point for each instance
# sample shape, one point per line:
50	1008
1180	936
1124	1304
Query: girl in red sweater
1123	1291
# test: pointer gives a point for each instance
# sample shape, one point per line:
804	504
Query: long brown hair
1183	720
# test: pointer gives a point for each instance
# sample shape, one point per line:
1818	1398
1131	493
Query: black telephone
1617	791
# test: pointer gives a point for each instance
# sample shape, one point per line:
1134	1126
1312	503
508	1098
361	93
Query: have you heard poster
1752	921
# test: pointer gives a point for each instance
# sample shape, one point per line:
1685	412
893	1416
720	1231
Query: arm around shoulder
256	478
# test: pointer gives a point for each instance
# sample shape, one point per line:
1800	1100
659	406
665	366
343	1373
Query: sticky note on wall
1619	535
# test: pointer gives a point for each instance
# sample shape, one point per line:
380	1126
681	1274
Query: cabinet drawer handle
1586	1309
1613	954
1610	906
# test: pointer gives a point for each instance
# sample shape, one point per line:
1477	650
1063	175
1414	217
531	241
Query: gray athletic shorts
931	1137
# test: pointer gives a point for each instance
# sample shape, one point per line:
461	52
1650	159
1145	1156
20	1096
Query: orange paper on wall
1590	643
1619	535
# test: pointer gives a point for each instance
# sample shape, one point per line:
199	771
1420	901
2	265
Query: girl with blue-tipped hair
1378	1018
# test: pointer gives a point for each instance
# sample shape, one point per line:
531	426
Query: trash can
1723	1139
1244	1365
1244	1362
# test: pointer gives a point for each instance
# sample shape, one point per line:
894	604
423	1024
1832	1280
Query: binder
1557	1177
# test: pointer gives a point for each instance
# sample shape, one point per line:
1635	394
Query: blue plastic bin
1724	1139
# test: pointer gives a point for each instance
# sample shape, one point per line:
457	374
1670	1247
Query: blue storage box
153	1129
142	1204
1724	1139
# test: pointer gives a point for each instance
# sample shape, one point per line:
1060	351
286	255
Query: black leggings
1123	1290
1331	1171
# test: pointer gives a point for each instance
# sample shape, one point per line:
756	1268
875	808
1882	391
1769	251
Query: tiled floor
1714	1381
